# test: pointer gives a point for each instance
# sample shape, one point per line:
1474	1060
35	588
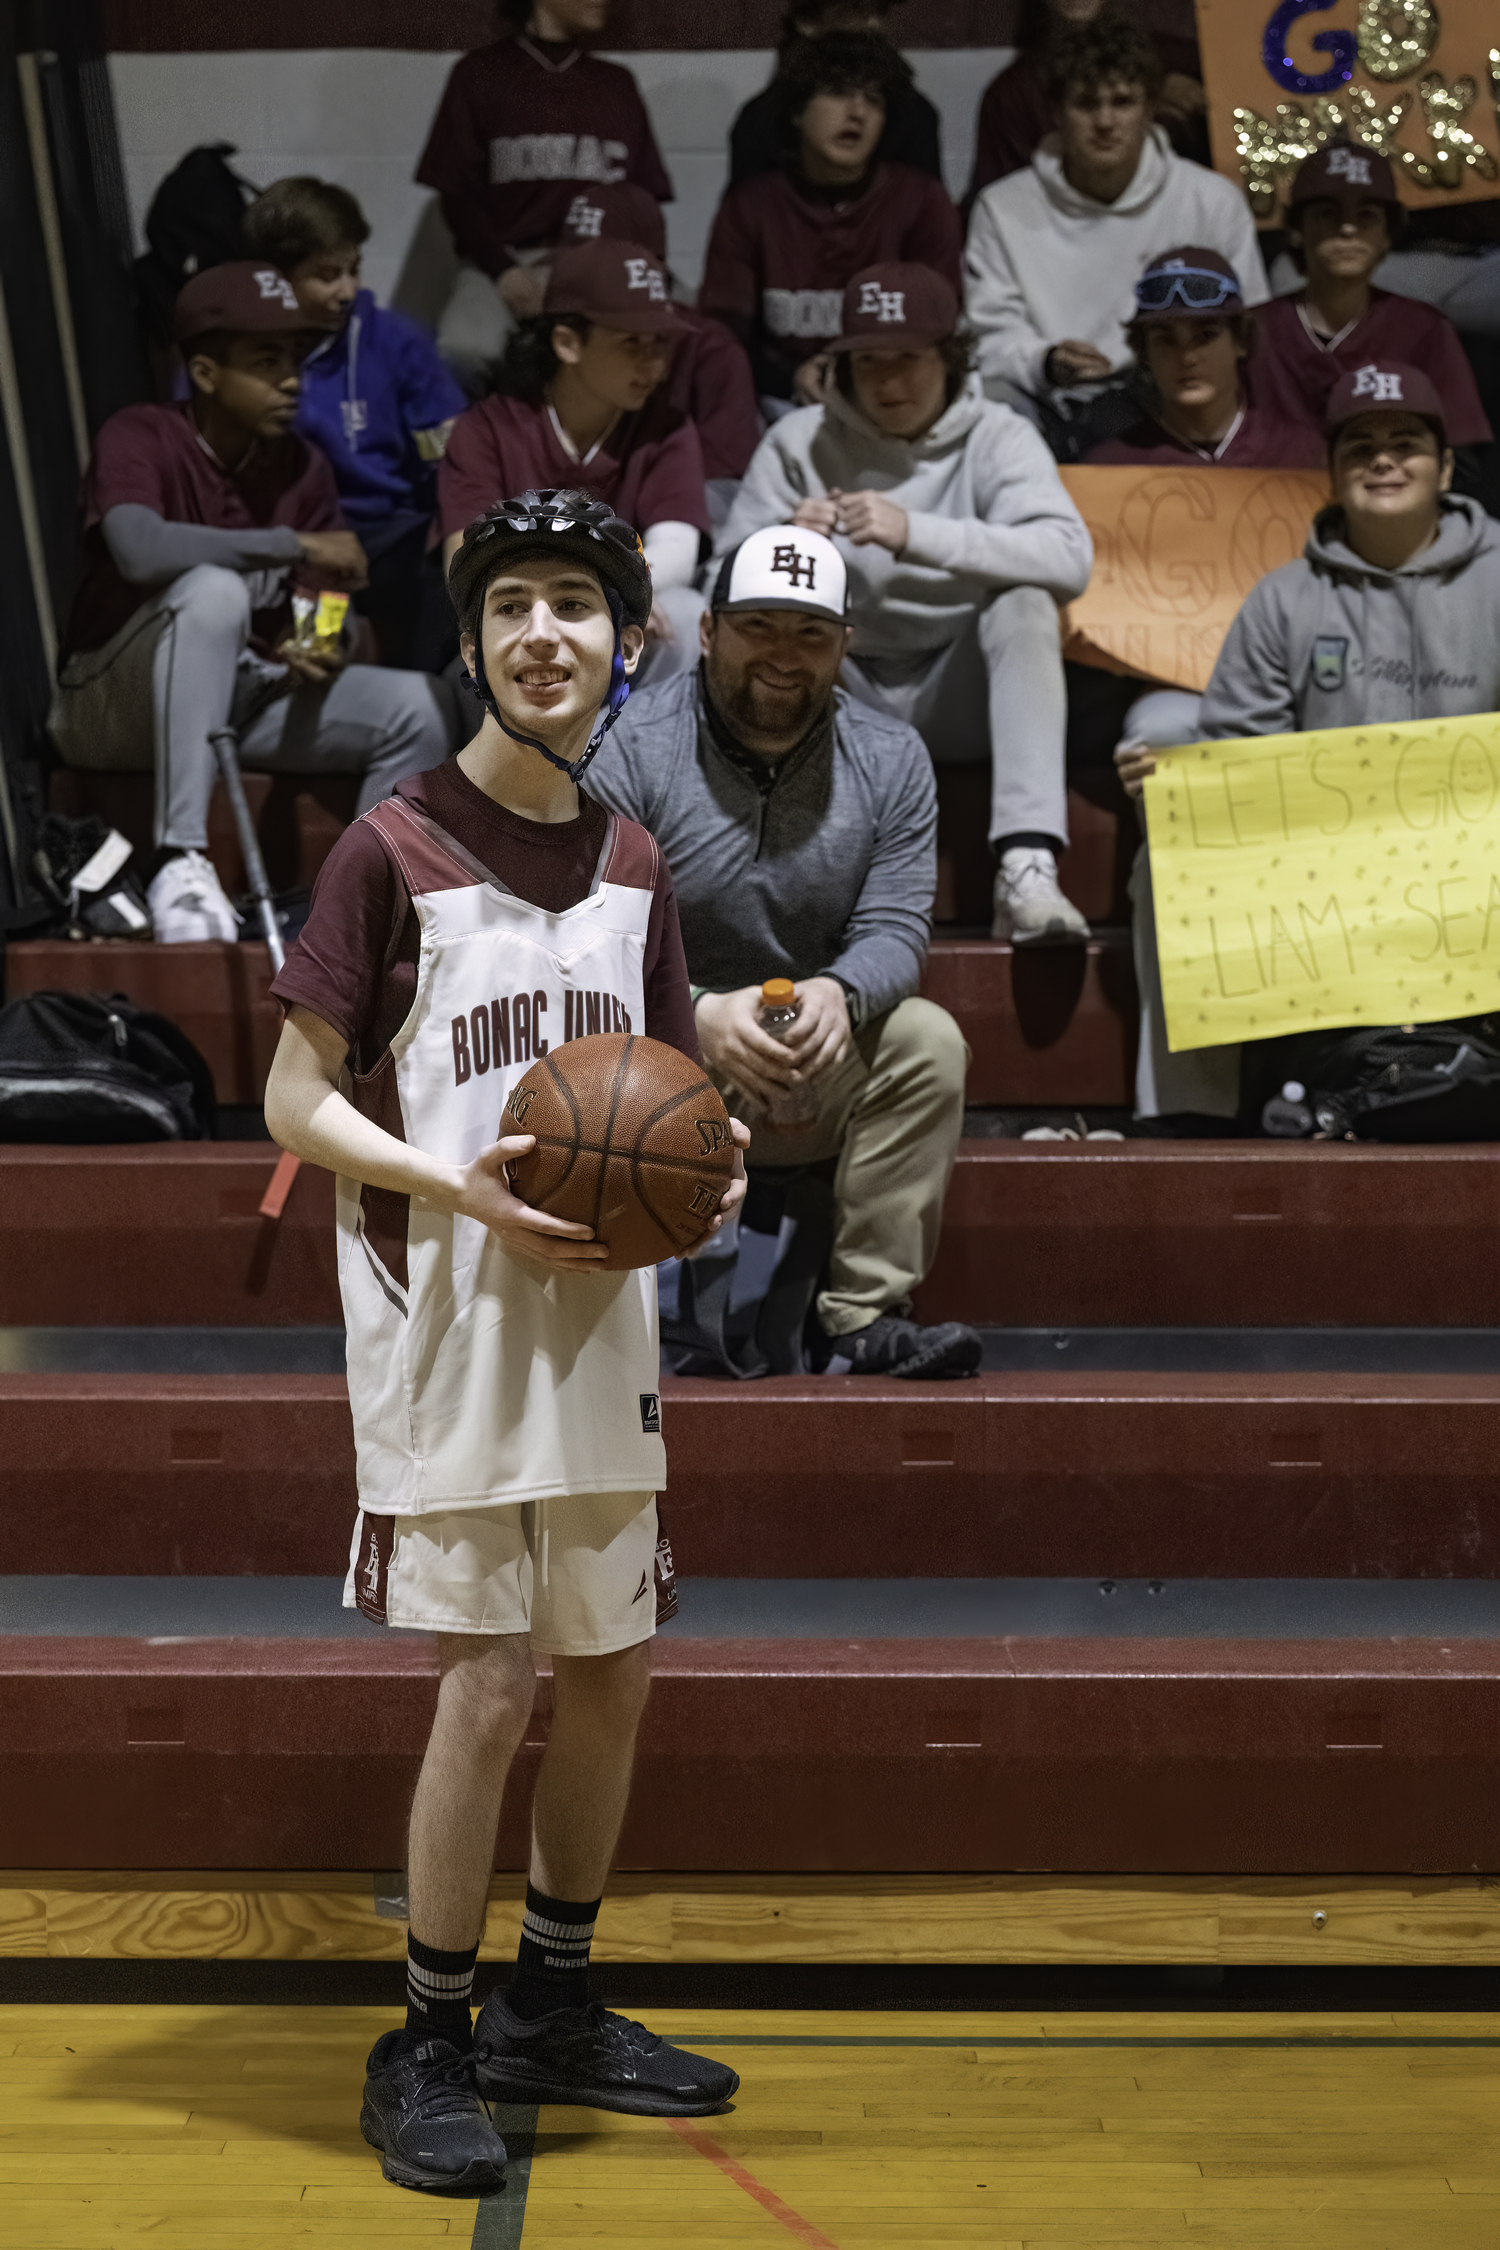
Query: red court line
792	2220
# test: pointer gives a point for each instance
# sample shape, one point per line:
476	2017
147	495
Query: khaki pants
893	1113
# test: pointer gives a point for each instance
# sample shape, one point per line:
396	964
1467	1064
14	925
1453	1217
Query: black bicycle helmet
561	522
565	522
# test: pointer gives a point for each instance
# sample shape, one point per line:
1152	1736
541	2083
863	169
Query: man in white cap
960	543
800	826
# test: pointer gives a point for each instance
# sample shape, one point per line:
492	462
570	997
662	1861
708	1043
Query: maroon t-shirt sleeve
934	234
337	966
128	466
471	474
317	496
1013	117
456	163
731	268
669	998
720	396
1448	364
644	167
671	484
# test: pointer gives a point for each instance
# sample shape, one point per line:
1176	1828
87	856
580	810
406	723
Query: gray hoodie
824	864
1329	641
983	499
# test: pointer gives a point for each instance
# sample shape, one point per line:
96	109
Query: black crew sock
439	1993
552	1966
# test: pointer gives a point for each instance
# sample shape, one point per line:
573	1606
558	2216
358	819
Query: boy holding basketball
503	1386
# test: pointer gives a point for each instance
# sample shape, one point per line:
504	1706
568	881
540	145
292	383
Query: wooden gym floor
198	2126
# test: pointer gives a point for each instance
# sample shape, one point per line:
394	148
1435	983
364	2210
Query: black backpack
1435	1082
193	222
78	1067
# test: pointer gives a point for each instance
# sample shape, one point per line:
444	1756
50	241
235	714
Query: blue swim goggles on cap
1193	286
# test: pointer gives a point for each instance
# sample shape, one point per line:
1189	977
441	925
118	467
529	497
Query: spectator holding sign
785	243
1344	217
1192	337
1054	251
960	543
522	126
1388	615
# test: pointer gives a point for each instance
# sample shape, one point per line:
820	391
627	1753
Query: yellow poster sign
1344	876
1416	81
1176	550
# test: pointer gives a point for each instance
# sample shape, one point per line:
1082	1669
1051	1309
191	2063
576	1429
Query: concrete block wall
360	116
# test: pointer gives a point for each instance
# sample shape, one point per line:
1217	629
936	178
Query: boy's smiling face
327	284
548	640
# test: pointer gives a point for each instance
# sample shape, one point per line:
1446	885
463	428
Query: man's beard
753	708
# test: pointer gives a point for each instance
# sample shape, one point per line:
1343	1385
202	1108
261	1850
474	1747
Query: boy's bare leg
585	1775
484	1701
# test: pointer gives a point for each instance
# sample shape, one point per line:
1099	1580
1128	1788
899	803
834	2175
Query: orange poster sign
1416	80
1175	553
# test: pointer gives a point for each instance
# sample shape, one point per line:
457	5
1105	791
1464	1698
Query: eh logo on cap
884	304
641	274
587	219
1348	164
1370	383
800	569
275	287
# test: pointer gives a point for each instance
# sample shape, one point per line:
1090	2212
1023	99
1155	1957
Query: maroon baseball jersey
521	127
781	254
710	382
152	457
649	469
355	963
1291	374
1262	441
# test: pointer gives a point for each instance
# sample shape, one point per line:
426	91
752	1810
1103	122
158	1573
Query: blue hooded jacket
375	398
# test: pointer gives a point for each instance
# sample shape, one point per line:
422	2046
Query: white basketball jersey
475	1379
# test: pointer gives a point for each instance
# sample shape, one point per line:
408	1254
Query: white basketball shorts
576	1573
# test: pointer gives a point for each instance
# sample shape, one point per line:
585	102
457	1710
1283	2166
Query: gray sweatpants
1202	1080
181	668
994	696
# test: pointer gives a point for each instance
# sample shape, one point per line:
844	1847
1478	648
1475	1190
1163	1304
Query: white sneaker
187	903
1029	907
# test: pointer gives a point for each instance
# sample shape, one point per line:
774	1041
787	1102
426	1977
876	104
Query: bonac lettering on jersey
556	156
500	1032
805	313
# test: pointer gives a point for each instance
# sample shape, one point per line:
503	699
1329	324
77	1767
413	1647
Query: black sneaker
593	2058
893	1346
423	2113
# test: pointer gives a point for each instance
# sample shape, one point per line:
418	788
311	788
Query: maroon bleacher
1126	1476
889	1756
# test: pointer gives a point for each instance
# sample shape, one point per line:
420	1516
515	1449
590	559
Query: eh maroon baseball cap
897	308
246	298
1383	383
1342	170
618	284
625	213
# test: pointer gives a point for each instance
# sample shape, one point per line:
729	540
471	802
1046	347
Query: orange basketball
631	1139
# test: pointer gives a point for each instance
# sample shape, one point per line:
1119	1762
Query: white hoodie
983	499
1044	264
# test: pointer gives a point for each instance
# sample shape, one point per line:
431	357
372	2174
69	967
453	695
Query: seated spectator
912	132
1054	251
376	400
709	379
959	542
1344	216
584	406
195	517
801	830
1191	337
785	243
1015	113
1395	569
522	126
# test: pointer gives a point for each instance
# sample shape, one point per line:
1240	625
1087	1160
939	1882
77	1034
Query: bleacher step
1115	1475
1035	1234
1083	1754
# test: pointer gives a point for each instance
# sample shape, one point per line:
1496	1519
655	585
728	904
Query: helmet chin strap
478	686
